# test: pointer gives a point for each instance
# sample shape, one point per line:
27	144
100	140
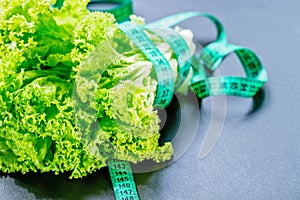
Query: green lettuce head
69	99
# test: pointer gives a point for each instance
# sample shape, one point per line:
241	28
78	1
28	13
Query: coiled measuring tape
247	86
212	56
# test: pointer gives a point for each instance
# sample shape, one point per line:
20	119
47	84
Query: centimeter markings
247	86
181	50
212	56
165	87
122	180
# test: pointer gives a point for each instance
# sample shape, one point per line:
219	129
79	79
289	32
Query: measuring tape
58	4
122	180
181	50
165	85
122	11
208	57
247	86
178	18
212	56
203	86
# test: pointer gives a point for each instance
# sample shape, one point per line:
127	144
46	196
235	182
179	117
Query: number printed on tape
122	180
162	67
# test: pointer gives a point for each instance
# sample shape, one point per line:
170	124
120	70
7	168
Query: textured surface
258	153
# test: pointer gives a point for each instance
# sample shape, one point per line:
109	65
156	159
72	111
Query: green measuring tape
177	18
165	87
247	86
212	56
203	86
58	4
122	180
121	11
181	50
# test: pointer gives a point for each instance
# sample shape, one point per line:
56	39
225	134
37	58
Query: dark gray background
258	154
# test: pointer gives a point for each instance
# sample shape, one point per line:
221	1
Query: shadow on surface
50	186
258	101
172	115
170	118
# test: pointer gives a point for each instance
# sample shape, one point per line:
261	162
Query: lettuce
40	50
61	109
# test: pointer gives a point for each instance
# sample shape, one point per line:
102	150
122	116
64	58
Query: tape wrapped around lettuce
115	89
75	92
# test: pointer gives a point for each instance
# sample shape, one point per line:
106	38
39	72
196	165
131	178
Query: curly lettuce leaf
65	108
37	70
